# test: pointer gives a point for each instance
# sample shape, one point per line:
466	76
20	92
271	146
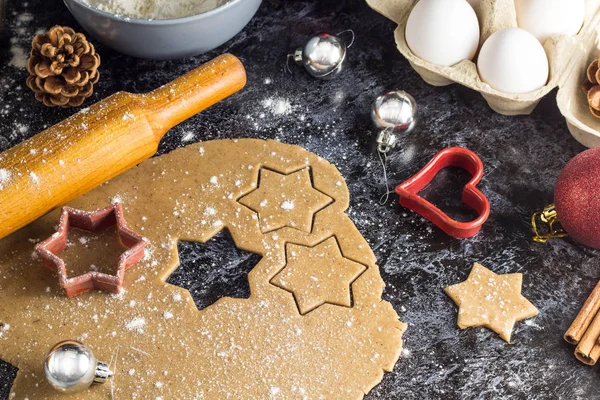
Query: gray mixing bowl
165	39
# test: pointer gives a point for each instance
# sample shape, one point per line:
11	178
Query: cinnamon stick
588	350
582	322
591	358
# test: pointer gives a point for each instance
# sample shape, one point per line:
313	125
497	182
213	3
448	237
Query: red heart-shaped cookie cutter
451	157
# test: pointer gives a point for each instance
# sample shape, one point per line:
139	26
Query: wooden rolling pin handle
199	89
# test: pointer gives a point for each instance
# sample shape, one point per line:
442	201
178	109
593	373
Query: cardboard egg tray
568	57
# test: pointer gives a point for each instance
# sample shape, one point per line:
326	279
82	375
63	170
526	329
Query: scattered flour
188	137
406	353
210	211
19	57
116	199
137	324
4	328
532	323
25	17
156	9
4	177
277	106
288	205
275	391
22	128
34	178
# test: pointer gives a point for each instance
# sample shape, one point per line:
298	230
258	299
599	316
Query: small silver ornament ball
323	56
71	367
395	110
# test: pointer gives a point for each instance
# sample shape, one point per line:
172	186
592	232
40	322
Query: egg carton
568	58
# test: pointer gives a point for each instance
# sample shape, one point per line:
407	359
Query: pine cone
63	67
591	88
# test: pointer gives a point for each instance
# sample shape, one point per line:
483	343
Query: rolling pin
97	144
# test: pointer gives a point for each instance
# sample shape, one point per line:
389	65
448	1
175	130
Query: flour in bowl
156	9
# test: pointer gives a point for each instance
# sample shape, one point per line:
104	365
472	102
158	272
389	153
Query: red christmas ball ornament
576	205
577	198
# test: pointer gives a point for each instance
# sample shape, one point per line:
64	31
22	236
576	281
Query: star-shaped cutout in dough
491	300
318	275
91	221
285	200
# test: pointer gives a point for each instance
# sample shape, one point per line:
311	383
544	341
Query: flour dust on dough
300	335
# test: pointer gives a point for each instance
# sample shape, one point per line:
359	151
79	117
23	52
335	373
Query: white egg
591	6
545	18
443	32
512	60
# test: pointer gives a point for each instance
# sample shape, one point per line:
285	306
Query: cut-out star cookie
285	200
491	300
318	275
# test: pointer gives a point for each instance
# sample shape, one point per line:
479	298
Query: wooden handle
197	90
95	145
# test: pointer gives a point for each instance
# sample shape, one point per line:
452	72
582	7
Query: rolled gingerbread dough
300	335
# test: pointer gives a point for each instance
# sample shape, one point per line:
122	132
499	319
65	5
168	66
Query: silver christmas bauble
393	112
396	110
71	367
323	56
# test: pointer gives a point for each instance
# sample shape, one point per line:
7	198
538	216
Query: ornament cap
298	56
549	216
103	372
386	140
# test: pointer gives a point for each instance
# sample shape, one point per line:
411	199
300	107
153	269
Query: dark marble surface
523	156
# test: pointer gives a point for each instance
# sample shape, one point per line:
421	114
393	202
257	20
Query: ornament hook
548	216
351	32
287	68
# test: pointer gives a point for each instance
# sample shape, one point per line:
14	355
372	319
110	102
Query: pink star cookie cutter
91	221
